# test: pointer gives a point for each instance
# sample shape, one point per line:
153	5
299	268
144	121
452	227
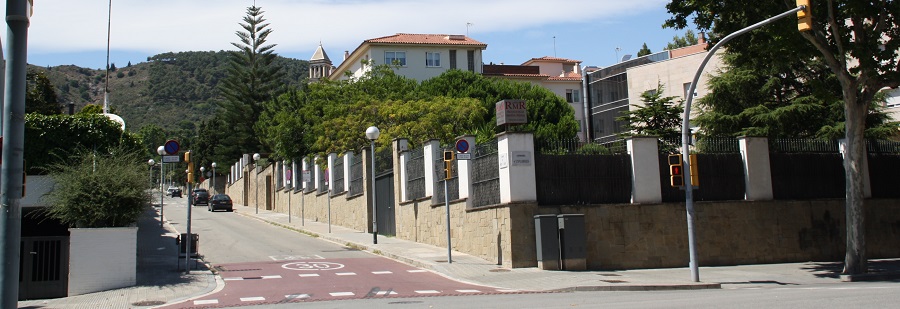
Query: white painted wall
102	259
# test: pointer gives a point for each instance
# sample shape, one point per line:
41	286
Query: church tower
320	66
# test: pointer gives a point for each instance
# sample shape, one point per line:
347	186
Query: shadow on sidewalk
876	267
158	263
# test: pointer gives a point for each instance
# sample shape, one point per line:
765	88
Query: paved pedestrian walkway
159	283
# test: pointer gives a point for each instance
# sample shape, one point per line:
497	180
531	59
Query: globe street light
372	134
161	150
151	162
256	167
214	176
202	171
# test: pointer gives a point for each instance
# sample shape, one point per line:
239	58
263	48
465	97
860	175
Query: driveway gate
384	188
44	267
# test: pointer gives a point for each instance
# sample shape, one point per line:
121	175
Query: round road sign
172	147
462	146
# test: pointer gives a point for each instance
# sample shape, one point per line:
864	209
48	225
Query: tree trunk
855	261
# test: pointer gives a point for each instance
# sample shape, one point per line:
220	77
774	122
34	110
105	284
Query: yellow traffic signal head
804	16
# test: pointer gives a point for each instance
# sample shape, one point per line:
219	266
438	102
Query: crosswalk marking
381	272
428	292
416	271
342	294
345	274
206	302
309	275
297	296
383	293
257	298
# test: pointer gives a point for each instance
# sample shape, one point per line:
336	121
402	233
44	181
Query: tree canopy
658	116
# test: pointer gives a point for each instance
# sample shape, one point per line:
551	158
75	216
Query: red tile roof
428	39
551	59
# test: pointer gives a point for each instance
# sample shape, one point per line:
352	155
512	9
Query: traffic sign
464	156
172	147
462	145
171	159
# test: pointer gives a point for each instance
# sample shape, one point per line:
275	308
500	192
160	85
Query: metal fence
803	145
384	162
576	146
720	177
338	174
415	174
883	146
356	175
485	175
807	175
883	171
322	185
583	179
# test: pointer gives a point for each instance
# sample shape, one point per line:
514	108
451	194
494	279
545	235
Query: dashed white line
417	271
272	277
428	292
233	279
383	293
309	275
206	302
258	298
468	291
342	294
297	296
345	274
382	272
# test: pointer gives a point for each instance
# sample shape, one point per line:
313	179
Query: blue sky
75	32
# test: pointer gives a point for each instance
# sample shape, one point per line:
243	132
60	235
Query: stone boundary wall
350	212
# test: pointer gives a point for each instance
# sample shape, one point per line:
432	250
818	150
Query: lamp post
202	174
372	134
150	163
161	150
256	167
214	176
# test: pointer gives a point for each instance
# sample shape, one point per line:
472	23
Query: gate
44	267
384	188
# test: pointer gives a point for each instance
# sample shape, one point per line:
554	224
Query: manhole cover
614	281
499	270
610	275
145	303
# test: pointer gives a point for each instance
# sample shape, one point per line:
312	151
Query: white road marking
233	278
382	293
342	294
346	274
507	291
428	292
258	298
417	271
309	275
206	302
382	272
297	296
468	291
272	277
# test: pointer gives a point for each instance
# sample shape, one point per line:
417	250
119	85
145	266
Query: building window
452	59
471	60
395	58
432	59
573	95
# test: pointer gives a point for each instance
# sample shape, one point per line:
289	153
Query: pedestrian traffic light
695	175
804	16
676	171
448	164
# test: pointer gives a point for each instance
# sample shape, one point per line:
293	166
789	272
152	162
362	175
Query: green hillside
173	90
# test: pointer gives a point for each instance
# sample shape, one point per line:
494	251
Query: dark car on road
201	197
173	192
220	201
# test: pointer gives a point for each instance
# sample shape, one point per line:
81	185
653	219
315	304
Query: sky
596	32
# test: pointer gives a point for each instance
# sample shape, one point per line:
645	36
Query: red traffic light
676	170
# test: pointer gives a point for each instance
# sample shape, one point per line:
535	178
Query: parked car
220	201
173	192
200	197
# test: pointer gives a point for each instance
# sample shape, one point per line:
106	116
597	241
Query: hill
172	90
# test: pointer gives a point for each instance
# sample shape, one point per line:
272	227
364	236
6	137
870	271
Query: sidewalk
159	283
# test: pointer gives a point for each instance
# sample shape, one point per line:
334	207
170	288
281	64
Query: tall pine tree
252	80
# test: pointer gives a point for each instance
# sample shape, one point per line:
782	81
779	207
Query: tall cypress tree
252	80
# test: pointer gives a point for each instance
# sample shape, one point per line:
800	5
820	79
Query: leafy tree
40	94
857	40
99	189
152	136
689	39
644	51
52	138
251	80
659	116
91	109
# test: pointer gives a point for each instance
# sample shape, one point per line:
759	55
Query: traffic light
448	164
190	174
695	175
804	16
676	171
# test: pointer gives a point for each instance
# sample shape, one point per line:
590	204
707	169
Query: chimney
71	108
346	54
702	39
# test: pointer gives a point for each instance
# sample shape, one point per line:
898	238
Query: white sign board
171	159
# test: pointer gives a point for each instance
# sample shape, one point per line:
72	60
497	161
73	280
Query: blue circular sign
462	146
172	147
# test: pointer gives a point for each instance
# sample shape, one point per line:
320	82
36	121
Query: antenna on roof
467	28
617	52
554	46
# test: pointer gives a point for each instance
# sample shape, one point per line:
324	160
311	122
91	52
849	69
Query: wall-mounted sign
511	112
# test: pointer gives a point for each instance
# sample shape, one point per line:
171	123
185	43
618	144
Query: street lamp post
214	177
161	150
151	162
256	167
372	134
202	174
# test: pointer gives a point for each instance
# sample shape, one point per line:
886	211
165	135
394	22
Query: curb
871	277
609	288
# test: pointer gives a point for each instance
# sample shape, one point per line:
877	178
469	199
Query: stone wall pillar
645	178
515	156
402	179
348	166
757	169
431	149
464	169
